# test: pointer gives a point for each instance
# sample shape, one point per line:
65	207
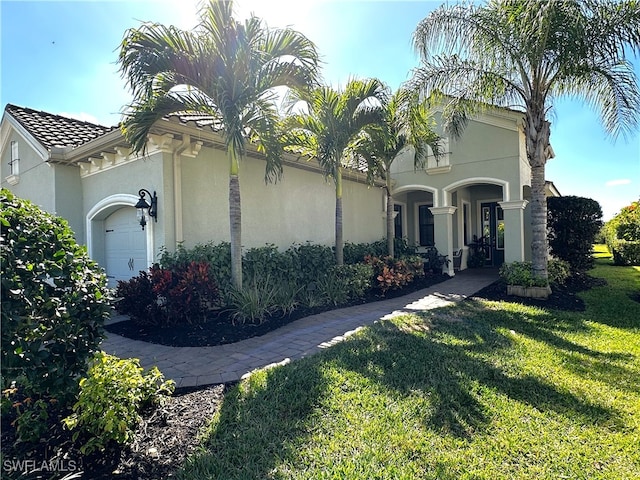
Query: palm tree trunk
537	151
390	224
339	243
235	221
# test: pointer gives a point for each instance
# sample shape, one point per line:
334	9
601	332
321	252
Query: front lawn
480	390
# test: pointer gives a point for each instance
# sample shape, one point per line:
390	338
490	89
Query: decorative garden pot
529	292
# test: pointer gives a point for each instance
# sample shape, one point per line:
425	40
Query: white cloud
615	183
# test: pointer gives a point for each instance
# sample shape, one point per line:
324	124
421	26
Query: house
87	174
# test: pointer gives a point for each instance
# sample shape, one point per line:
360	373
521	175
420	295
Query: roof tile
55	130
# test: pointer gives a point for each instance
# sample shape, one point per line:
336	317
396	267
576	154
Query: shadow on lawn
446	359
449	359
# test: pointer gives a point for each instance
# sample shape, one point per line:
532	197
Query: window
15	158
397	221
425	226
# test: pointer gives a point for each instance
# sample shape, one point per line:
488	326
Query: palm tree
406	123
224	69
327	131
522	54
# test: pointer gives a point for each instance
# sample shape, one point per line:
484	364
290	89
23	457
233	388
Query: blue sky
60	57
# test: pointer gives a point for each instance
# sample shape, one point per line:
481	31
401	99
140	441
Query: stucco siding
68	198
128	179
298	208
486	151
35	179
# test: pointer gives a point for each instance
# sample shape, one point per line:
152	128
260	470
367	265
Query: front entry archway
125	250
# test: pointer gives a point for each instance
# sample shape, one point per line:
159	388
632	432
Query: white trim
104	208
476	181
13	179
514	205
24	133
422	188
443	210
462	241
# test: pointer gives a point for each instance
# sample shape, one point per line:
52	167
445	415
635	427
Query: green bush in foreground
521	273
54	303
111	399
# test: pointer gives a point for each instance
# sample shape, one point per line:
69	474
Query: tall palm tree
522	54
406	123
327	130
225	69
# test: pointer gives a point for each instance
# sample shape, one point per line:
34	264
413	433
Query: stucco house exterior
87	174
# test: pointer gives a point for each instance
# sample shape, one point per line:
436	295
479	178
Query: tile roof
55	130
201	120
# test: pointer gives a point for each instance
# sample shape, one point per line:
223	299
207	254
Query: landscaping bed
220	330
563	297
168	435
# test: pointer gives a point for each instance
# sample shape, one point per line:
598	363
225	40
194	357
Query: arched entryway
116	240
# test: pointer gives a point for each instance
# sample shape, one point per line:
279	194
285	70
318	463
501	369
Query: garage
125	245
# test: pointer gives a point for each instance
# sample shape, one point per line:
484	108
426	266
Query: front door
492	218
125	246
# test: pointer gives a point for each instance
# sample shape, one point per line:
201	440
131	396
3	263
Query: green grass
476	391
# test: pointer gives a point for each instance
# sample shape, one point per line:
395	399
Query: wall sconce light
142	205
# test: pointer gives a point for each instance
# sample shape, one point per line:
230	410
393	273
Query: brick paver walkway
197	366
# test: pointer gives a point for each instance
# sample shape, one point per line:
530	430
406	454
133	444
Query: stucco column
514	230
443	234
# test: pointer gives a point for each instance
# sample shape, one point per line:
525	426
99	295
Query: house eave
215	140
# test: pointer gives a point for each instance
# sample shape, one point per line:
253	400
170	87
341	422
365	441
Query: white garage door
125	245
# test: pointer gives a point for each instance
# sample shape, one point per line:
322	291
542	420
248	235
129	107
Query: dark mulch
219	329
169	434
563	297
164	439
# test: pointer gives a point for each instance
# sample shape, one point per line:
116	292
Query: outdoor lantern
142	205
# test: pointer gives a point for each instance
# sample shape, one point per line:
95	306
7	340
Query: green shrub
54	303
287	297
521	273
574	223
401	248
346	283
625	253
313	262
111	398
356	252
268	261
622	235
254	302
356	279
32	416
300	264
559	271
